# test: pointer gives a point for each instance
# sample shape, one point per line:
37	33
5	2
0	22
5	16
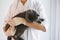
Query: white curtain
55	17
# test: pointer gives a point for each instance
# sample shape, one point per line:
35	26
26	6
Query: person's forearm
30	24
36	26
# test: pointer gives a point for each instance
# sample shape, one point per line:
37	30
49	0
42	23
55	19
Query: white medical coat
17	7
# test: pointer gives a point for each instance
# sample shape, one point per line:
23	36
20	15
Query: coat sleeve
9	15
11	11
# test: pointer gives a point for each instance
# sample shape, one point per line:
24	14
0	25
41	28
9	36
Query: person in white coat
32	33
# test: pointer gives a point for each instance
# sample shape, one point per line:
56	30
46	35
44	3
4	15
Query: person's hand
18	20
43	29
11	22
11	31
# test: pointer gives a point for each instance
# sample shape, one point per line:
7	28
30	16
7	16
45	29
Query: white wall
4	5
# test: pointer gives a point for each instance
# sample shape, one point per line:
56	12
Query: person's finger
44	29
